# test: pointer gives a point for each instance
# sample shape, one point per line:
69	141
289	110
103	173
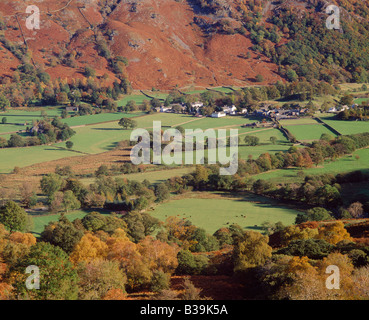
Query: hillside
167	42
182	43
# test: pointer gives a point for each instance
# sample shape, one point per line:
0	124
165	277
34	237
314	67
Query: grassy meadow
214	211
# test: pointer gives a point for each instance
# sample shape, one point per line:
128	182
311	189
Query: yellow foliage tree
88	249
158	255
334	232
24	238
252	250
295	233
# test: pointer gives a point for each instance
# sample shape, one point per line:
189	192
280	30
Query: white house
230	110
243	111
197	105
165	109
333	109
218	115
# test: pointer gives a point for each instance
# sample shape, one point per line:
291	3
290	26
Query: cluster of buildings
280	113
195	109
342	108
229	111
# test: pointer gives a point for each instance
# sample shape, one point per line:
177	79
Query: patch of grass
39	222
138	98
345	164
97	118
309	131
248	211
347	127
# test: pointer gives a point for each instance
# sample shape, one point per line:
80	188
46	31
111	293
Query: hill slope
166	42
181	43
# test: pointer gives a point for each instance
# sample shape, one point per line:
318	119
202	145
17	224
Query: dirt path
179	124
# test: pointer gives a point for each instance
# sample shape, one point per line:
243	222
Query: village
265	110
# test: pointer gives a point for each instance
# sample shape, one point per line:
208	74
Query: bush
160	281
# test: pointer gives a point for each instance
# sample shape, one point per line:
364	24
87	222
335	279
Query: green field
23	117
5	128
138	98
152	176
22	157
299	121
212	214
309	131
347	127
211	123
345	164
359	101
98	118
39	222
102	137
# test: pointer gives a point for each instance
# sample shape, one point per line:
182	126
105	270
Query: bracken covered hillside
181	43
167	42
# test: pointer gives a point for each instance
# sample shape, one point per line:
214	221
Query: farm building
218	115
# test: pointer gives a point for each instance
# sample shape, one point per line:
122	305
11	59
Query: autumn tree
333	232
130	260
356	210
251	250
28	195
291	233
89	248
98	277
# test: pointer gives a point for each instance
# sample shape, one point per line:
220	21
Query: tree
291	233
98	278
88	249
326	137
58	279
4	120
273	140
190	292
356	210
334	232
89	72
131	105
70	202
251	140
161	192
62	234
28	195
315	214
102	171
200	176
259	78
13	217
291	75
16	141
160	281
50	184
127	123
69	144
347	99
186	262
251	250
311	248
4	103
